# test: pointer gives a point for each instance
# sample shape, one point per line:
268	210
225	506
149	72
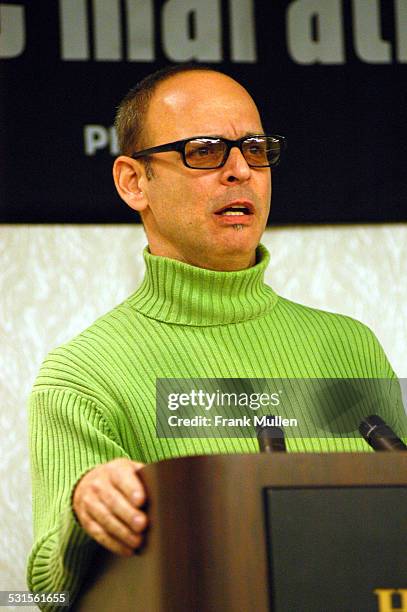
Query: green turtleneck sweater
94	398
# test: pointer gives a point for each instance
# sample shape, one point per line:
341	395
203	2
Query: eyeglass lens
207	152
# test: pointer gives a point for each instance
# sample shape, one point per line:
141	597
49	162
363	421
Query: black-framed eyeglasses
210	152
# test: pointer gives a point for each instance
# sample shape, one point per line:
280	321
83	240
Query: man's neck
226	263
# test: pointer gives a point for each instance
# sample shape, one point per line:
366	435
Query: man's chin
240	239
236	252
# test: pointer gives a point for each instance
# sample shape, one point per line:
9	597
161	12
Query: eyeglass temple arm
170	146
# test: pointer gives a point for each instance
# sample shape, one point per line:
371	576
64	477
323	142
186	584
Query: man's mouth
236	210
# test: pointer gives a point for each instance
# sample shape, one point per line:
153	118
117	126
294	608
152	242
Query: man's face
182	219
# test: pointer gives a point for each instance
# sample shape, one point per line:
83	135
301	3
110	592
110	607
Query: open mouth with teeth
236	210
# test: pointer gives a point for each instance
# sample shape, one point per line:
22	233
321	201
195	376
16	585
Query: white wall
55	280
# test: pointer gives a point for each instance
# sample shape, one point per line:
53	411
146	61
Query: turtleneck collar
178	293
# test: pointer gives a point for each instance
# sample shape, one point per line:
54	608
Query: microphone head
369	424
270	439
379	435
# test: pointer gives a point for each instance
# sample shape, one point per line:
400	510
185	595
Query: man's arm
70	440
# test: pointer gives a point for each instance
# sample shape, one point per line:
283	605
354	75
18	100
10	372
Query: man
201	311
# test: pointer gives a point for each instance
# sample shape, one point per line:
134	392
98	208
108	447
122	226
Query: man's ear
130	177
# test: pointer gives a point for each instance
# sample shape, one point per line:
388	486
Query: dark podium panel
281	532
330	548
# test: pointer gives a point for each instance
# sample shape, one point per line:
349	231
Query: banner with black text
330	76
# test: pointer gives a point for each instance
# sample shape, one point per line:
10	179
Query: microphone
379	435
270	439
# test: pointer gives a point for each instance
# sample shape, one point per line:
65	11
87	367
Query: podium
268	532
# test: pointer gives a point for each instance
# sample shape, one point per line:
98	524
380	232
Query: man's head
183	209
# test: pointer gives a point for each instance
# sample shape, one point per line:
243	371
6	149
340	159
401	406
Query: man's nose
236	168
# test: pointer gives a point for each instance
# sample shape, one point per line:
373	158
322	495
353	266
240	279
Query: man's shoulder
341	343
122	321
317	317
94	352
336	329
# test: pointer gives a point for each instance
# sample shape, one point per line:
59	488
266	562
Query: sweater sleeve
69	435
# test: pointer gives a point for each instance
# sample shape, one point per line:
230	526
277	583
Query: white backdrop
55	280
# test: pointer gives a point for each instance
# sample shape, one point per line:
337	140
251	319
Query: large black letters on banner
330	76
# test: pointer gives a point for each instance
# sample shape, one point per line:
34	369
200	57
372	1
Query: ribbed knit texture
94	398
